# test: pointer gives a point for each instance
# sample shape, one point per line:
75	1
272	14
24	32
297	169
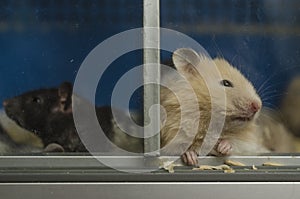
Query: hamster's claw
224	147
190	158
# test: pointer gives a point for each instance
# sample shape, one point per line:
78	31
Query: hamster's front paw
224	147
190	158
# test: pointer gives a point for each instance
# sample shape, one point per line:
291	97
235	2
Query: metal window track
89	169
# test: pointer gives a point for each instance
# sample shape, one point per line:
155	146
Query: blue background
43	42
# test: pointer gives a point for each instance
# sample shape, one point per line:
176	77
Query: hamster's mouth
17	121
243	118
12	117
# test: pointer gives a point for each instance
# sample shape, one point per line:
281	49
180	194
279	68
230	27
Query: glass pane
44	44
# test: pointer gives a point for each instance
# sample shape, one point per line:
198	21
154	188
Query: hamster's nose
254	106
5	103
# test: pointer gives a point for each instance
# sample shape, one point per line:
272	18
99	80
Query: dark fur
48	113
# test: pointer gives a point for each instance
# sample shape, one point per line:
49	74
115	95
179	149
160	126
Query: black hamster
48	113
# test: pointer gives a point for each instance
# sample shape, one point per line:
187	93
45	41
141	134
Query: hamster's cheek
236	125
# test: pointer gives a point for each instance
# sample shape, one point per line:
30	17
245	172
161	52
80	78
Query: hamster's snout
255	107
246	112
5	103
8	103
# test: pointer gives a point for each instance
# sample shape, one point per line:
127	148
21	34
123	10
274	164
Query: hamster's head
219	85
31	110
242	101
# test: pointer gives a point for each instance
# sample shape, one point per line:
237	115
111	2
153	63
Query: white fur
176	136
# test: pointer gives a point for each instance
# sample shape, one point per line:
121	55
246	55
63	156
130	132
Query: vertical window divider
151	72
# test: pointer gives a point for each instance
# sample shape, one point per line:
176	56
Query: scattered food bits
203	167
209	167
229	171
234	163
224	167
272	164
169	166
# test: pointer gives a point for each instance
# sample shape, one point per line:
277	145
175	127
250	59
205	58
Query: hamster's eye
226	83
36	100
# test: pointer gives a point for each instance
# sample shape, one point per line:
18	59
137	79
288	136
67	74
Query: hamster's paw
190	158
224	147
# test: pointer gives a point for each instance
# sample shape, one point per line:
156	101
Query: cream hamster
16	140
290	106
239	134
9	146
276	137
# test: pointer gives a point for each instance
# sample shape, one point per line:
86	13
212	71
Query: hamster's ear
185	60
65	96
